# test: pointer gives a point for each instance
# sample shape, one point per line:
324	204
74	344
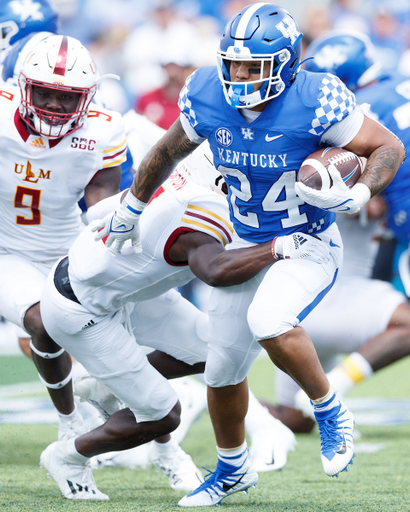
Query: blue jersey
260	160
389	98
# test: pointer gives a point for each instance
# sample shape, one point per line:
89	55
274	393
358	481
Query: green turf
14	369
376	482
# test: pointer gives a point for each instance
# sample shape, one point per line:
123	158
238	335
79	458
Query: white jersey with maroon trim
104	281
41	179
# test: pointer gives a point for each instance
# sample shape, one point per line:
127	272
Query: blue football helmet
17	54
268	34
348	55
21	17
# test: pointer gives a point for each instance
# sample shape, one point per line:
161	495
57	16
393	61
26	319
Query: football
314	170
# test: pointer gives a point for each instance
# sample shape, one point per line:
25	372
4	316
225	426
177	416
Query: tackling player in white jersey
88	296
55	148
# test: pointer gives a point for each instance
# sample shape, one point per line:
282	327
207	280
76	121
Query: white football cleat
224	481
270	446
178	466
91	391
75	480
133	458
336	426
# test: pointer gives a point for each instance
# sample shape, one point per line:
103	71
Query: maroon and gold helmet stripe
61	61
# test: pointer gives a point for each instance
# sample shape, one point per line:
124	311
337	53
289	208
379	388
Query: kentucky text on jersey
252	159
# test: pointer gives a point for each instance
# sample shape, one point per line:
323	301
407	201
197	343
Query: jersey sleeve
334	101
198	101
209	214
116	151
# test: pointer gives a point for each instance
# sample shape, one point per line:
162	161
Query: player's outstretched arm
154	169
160	161
211	263
215	266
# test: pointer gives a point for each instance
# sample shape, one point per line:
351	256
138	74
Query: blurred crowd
152	45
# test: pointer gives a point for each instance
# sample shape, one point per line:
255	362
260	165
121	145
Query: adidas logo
90	324
80	488
299	240
38	143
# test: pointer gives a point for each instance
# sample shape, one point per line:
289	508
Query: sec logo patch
224	137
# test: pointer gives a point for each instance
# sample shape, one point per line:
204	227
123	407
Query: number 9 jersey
42	179
260	160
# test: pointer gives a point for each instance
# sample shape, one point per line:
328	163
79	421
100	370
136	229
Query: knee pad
269	325
229	366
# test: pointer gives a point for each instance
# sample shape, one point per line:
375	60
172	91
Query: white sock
233	456
68	418
349	372
164	448
328	396
73	453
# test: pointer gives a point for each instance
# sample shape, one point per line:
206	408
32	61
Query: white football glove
121	226
339	198
300	245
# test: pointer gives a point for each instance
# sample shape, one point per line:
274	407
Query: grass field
377	481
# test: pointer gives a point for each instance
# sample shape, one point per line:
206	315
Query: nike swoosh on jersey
227	488
332	244
270	139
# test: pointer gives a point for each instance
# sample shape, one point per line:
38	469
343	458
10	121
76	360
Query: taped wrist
360	194
131	207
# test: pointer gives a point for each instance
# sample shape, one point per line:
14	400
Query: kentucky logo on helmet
27	9
288	28
330	57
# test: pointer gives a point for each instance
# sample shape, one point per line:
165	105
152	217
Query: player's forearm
382	166
160	161
235	267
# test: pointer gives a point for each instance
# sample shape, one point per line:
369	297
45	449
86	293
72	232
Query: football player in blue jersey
352	57
18	18
263	116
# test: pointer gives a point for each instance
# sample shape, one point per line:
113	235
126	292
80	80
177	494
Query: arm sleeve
340	134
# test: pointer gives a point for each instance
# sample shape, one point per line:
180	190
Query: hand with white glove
338	198
121	226
300	245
